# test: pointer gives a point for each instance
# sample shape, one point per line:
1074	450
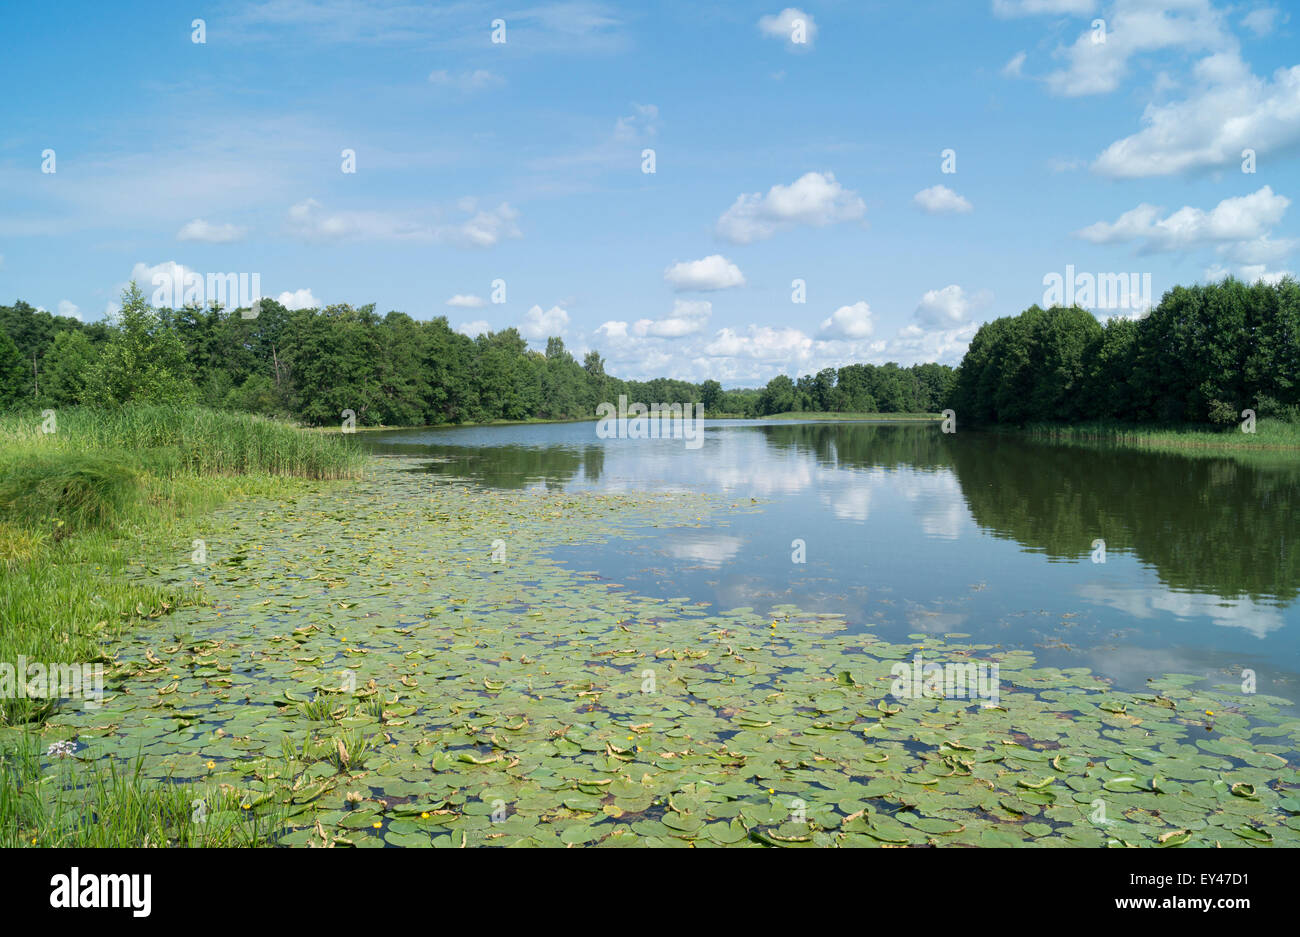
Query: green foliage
67	363
68	491
313	364
1203	355
144	360
14	374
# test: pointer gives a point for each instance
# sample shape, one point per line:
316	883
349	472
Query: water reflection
1214	526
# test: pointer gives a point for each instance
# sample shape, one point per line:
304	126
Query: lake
907	530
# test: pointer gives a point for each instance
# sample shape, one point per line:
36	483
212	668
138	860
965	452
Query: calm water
909	530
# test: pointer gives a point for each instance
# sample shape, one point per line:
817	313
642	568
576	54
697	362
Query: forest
1203	355
312	364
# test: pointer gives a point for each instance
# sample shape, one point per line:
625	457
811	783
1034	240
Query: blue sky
1111	149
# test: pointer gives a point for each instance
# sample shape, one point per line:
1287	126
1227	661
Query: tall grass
1270	434
169	440
98	805
81	505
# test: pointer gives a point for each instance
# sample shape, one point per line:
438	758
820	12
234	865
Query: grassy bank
80	506
1269	436
88	503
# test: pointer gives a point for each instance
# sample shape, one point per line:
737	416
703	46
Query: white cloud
944	309
688	318
1009	8
465	82
813	199
793	25
1244	219
298	299
200	230
484	228
1250	273
639	126
714	272
915	344
941	200
69	309
169	284
1014	65
1230	110
1136	29
760	342
1254	272
1263	20
849	322
467	301
539	325
474	329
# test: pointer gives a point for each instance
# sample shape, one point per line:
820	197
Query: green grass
170	441
83	510
98	805
80	507
1269	435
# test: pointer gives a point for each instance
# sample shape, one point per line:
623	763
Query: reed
1270	434
82	506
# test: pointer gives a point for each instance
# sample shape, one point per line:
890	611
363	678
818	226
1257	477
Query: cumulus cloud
688	318
1229	111
169	284
483	227
1244	219
813	199
849	322
760	342
539	325
714	272
944	309
69	309
200	230
1263	20
941	200
797	28
1136	29
474	329
467	301
298	299
946	346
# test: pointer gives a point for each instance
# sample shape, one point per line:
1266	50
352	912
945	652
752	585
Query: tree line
312	364
1204	354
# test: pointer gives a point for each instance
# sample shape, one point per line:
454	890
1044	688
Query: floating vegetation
374	671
